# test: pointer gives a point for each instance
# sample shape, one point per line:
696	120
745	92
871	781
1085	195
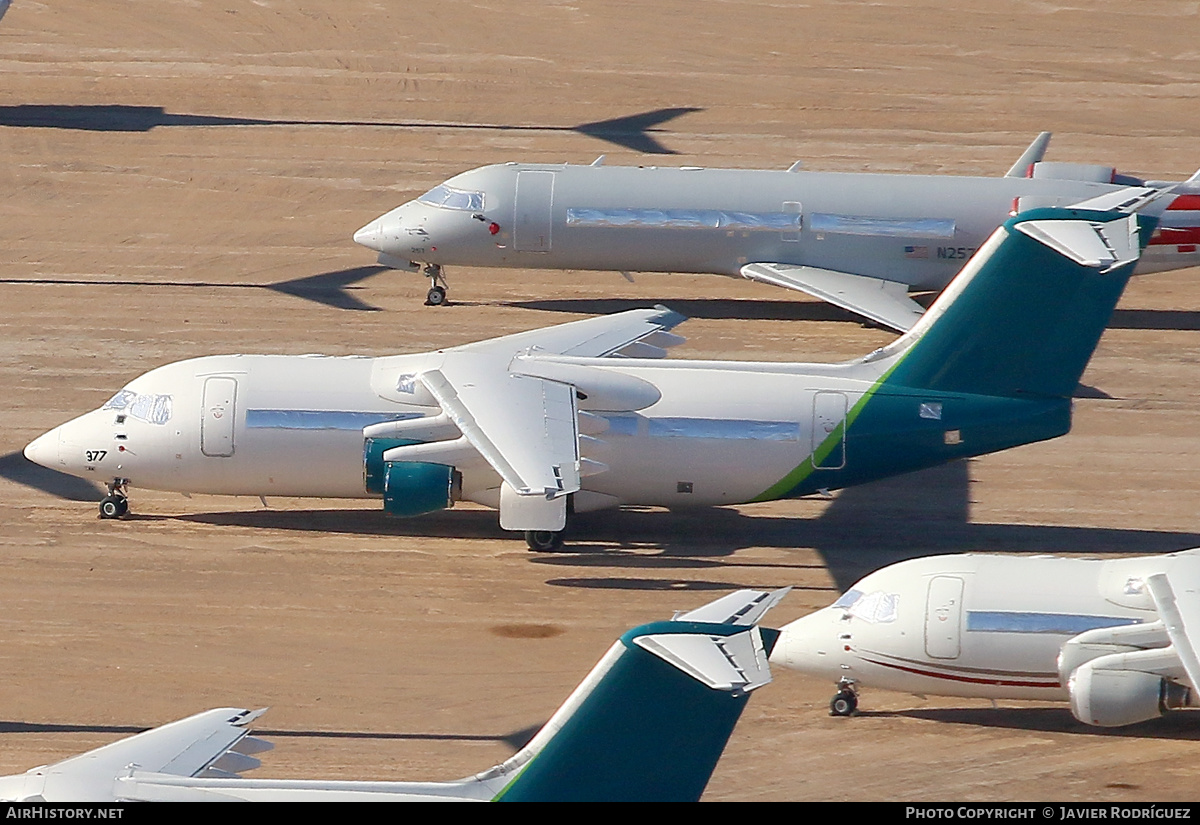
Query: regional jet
589	415
648	724
1115	638
859	241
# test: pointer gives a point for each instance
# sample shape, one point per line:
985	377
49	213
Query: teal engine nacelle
409	488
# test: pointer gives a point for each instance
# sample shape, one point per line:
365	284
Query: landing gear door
531	221
217	417
943	617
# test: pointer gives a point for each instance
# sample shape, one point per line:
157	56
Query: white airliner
647	724
1117	638
589	415
860	241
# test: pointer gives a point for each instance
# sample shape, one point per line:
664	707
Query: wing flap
885	302
1180	614
524	427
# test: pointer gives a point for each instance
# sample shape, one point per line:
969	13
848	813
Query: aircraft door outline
532	211
218	413
829	414
792	208
943	617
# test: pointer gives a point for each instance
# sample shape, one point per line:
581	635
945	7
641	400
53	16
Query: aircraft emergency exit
589	415
859	241
1116	638
648	724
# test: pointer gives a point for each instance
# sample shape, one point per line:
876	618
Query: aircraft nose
806	644
371	235
44	449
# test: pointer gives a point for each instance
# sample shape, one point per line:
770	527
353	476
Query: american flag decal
916	252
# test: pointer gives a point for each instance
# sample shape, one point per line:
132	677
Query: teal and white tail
648	724
652	718
1024	316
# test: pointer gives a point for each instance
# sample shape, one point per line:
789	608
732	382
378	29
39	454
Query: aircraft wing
639	333
212	744
526	428
885	302
1180	613
524	421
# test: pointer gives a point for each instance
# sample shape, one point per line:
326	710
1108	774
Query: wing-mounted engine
1126	688
510	414
1131	673
413	464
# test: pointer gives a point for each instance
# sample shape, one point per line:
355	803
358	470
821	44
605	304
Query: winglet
1032	155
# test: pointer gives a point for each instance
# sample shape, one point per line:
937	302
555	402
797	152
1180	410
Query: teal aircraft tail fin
652	718
1025	314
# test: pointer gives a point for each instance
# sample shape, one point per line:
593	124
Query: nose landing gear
436	296
845	701
116	503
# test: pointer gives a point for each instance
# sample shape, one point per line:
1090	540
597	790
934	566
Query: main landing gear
436	296
116	503
544	541
845	701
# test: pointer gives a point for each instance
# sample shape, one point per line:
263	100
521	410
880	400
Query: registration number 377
94	455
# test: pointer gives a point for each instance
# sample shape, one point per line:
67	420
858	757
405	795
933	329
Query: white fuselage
969	625
292	426
918	230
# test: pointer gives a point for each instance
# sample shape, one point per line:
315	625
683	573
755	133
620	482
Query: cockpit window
447	197
876	607
848	598
148	407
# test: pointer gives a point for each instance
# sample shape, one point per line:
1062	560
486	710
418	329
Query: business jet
647	724
1114	637
588	415
859	241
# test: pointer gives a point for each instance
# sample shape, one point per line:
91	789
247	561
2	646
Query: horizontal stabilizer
733	663
1129	200
1104	246
743	607
885	302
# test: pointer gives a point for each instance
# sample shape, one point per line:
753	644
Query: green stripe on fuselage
792	480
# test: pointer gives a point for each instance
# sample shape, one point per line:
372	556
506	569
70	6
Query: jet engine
1112	698
409	488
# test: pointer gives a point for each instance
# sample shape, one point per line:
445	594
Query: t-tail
995	360
1025	315
652	718
648	724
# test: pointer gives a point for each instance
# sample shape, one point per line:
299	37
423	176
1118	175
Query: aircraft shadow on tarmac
636	132
1183	726
328	288
15	467
863	529
515	740
802	309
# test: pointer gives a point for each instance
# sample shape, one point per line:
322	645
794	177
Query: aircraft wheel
436	296
113	506
544	541
844	703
